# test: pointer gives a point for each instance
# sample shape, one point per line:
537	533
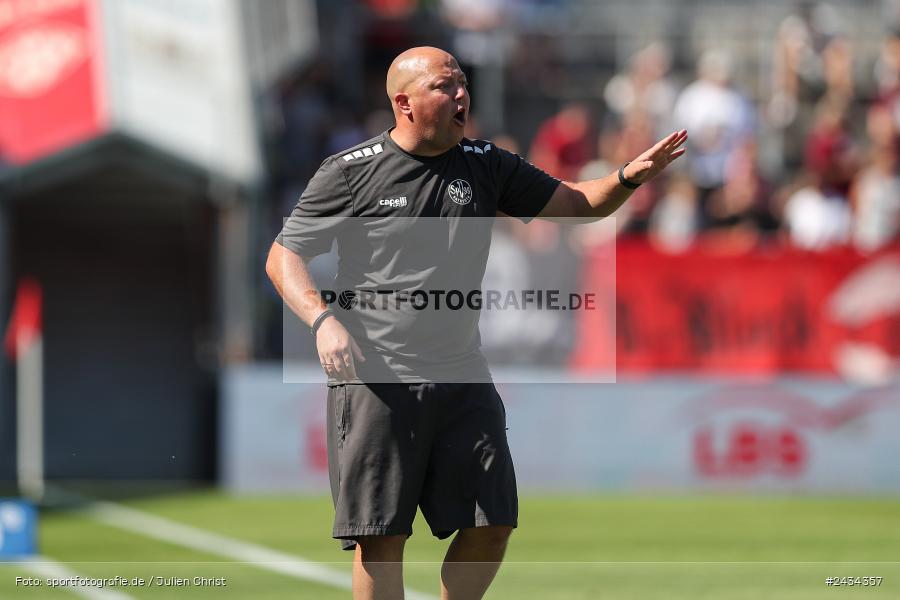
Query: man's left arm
597	198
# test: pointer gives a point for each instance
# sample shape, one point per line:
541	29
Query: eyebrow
444	77
454	76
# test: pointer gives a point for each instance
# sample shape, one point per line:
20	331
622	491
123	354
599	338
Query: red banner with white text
50	74
772	310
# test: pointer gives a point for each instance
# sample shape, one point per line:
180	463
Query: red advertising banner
773	310
50	94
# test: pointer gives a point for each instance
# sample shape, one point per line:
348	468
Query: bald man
413	417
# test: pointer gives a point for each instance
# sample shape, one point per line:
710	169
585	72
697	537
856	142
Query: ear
401	99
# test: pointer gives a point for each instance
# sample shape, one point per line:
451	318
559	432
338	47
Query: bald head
414	64
430	99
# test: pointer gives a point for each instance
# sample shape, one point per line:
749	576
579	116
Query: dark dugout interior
122	241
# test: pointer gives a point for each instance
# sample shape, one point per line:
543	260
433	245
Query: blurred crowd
804	156
832	174
813	160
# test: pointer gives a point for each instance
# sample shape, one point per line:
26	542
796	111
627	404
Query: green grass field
582	547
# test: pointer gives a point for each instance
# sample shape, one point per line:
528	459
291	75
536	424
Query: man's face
440	104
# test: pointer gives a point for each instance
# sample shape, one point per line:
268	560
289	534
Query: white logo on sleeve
460	191
397	202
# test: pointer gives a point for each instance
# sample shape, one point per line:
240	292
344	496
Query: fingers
677	139
671	147
343	366
338	366
346	363
670	142
664	143
334	344
339	362
348	371
665	146
328	366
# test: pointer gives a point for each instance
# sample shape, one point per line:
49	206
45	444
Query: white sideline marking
47	567
172	532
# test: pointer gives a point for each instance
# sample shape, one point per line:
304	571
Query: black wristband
314	328
627	183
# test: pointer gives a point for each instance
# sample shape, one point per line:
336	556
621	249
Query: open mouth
460	117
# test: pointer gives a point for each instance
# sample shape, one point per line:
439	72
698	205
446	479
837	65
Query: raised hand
649	164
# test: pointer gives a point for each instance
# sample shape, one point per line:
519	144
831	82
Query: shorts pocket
342	412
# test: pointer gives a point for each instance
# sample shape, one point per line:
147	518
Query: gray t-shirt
395	218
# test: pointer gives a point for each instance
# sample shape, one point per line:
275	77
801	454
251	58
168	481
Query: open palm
649	164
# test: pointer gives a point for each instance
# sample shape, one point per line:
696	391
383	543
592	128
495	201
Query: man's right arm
598	198
337	349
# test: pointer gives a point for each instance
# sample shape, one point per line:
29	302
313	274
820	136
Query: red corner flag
25	324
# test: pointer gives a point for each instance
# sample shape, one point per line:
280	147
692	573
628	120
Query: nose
461	92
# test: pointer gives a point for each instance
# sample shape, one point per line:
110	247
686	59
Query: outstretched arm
598	198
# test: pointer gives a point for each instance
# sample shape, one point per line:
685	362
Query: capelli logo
398	202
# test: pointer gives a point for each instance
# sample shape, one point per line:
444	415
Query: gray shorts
393	447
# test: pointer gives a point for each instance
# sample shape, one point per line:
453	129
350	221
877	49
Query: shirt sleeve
523	189
322	210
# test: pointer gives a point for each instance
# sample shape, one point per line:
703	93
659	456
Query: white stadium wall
182	75
679	434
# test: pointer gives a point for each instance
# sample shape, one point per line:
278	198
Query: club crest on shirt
460	191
